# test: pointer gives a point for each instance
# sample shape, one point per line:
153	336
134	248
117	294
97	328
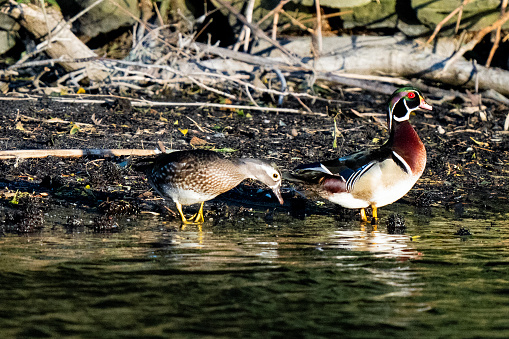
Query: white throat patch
406	116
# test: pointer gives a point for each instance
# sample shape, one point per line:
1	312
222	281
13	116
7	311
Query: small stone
396	224
463	232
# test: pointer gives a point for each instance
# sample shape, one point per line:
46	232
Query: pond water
316	277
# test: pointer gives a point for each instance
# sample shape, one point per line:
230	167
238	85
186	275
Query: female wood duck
376	177
195	176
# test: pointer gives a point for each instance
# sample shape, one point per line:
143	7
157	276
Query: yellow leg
375	214
363	215
374	219
198	217
179	208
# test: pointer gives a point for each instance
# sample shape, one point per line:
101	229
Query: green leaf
75	129
15	200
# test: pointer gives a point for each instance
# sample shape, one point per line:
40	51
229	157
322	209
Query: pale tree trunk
64	44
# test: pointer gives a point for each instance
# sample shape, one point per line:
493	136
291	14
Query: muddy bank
467	165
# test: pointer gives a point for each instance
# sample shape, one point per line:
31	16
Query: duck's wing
338	174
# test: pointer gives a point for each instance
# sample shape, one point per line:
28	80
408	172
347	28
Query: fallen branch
64	45
74	153
355	55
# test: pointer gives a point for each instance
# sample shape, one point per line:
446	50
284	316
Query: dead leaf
225	108
19	126
96	121
195	141
474	98
482	115
161	146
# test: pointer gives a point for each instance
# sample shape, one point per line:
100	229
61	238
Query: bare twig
245	31
249	18
297	22
478	37
304	105
318	27
84	11
497	36
301	23
211	89
447	18
159	16
274	25
257	31
366	115
276	10
204	130
467	130
458	20
365	84
328	16
48	28
248	93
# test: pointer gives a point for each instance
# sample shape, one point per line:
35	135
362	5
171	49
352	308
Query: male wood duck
195	176
376	177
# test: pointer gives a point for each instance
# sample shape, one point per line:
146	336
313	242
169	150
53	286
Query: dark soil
467	167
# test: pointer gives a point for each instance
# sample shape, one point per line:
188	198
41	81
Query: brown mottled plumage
195	176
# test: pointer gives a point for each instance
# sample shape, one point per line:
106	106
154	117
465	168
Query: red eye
411	95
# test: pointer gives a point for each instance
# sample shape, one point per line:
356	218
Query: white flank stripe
325	169
407	167
356	176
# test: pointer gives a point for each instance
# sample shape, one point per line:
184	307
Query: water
316	277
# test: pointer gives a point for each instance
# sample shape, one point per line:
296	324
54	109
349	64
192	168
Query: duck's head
402	102
263	171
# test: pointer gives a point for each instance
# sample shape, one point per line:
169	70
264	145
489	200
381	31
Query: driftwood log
57	39
346	57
